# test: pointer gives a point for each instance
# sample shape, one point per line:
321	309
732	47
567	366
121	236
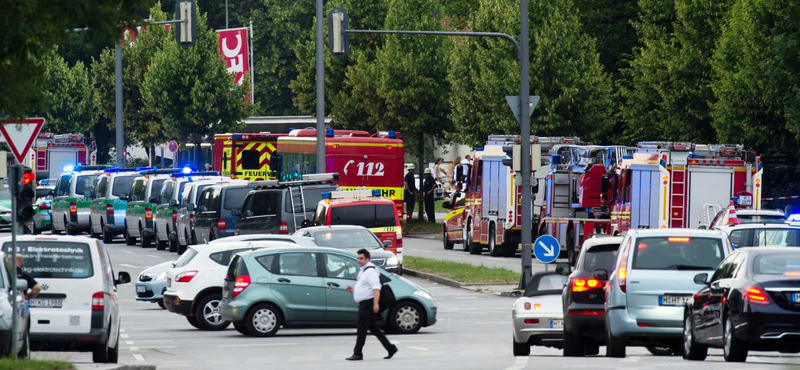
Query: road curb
114	367
457	284
432	236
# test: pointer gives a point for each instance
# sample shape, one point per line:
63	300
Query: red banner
233	46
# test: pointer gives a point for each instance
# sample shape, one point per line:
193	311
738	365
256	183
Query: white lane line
518	364
121	330
128	342
134	348
127	252
124	336
148	255
127	265
153	347
418	348
256	345
138	357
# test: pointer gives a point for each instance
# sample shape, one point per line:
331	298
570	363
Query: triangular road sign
21	135
513	102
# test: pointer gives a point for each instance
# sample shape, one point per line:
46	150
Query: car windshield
786	264
84	183
5	193
601	257
122	185
752	219
677	253
235	197
58	260
367	215
545	283
346	239
767	237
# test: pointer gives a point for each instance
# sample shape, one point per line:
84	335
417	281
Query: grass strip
9	364
421	226
461	272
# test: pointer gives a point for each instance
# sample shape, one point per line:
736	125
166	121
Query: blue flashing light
186	170
116	165
376	193
329	133
237	136
291	129
142	169
627	157
326	195
392	135
112	170
793	218
556	159
68	168
478	149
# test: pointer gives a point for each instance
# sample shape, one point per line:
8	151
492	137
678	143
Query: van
185	223
166	212
142	200
107	211
217	211
280	210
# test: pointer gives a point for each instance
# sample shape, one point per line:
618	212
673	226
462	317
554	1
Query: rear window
155	187
601	257
677	253
770	219
56	260
367	215
102	187
122	185
234	198
346	239
765	238
786	264
185	258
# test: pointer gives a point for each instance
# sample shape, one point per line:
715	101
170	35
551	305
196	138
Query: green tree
669	92
757	80
610	22
67	96
30	29
565	72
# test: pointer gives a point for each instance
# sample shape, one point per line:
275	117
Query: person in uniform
410	191
427	188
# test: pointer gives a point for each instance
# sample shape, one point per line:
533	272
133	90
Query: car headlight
161	276
423	294
392	260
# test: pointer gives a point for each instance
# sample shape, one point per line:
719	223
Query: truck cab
72	200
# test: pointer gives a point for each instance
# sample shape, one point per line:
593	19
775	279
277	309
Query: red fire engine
51	153
245	156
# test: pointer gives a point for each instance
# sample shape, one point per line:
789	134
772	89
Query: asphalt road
473	332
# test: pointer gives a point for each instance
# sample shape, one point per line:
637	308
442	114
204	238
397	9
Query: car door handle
333	285
282	280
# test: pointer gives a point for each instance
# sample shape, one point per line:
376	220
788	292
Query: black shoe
392	351
355	358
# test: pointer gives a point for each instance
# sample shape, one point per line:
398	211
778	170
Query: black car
751	302
584	298
217	211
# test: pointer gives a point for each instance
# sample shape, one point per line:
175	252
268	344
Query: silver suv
654	277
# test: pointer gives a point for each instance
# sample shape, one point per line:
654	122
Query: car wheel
521	349
107	237
660	351
263	320
241	328
173	241
615	347
193	239
70	230
691	349
161	304
160	244
733	349
113	353
405	317
193	321
208	315
128	239
467	237
147	242
573	345
100	353
36	230
182	248
447	243
493	241
92	234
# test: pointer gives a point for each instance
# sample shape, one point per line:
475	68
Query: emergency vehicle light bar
113	170
156	171
79	168
184	174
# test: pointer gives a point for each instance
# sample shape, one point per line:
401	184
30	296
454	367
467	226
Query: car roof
211	248
353	202
255	237
51	238
759	225
760	212
676	232
334	227
596	240
296	248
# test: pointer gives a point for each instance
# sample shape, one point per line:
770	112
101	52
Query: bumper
114	229
430	315
153	290
177	305
541	333
68	342
234	311
586	326
148	232
657	332
770	332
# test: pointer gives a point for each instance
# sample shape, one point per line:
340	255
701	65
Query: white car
538	317
194	285
302	241
763	235
77	309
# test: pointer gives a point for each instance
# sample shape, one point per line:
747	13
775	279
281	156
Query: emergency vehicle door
708	185
644	197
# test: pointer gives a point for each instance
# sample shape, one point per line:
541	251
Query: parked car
746	216
352	238
78	310
41	218
107	211
73	199
5	204
166	213
299	240
185	223
23	347
537	317
653	280
152	283
751	302
763	235
301	286
198	298
279	209
142	200
217	211
584	298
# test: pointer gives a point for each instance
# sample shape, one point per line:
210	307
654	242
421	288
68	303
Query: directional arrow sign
513	102
21	135
546	248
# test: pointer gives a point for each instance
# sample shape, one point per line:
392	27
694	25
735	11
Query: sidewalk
84	366
502	290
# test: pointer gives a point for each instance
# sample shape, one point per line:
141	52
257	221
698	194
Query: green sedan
294	286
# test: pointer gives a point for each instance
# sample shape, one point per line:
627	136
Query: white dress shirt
367	281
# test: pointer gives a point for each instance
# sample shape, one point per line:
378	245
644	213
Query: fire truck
670	184
245	156
51	153
363	160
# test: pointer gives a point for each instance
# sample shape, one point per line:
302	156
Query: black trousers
410	201
367	320
429	207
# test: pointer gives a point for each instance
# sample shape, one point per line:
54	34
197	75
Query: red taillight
98	301
582	285
73	207
148	212
283	228
587	312
109	208
622	273
756	296
531	321
221	224
44	207
174	216
641	325
191	220
185	277
242	282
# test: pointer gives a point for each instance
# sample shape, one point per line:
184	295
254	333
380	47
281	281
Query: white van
77	309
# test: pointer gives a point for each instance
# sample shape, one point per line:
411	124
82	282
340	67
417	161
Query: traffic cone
732	219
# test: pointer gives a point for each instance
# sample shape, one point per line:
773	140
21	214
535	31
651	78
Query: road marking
148	255
138	357
518	364
121	330
128	342
134	348
418	348
256	345
631	359
127	265
124	336
127	252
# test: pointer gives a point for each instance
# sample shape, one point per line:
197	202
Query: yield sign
20	135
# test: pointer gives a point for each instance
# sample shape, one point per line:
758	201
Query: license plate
796	297
40	302
745	200
141	289
672	300
169	282
556	324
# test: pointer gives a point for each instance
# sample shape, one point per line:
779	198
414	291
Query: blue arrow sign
546	248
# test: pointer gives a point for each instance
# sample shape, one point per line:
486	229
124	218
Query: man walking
367	293
410	188
427	188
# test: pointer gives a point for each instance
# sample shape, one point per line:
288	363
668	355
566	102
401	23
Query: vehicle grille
378	262
144	277
146	294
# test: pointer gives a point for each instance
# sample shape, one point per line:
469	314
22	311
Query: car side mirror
600	274
446	204
387	243
701	278
173	203
562	268
235	212
124	278
22	285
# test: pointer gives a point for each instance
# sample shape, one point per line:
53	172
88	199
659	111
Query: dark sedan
751	302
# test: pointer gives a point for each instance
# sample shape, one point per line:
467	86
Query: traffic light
338	39
23	183
515	152
186	32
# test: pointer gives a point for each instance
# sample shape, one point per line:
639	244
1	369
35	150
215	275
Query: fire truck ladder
298	200
679	198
